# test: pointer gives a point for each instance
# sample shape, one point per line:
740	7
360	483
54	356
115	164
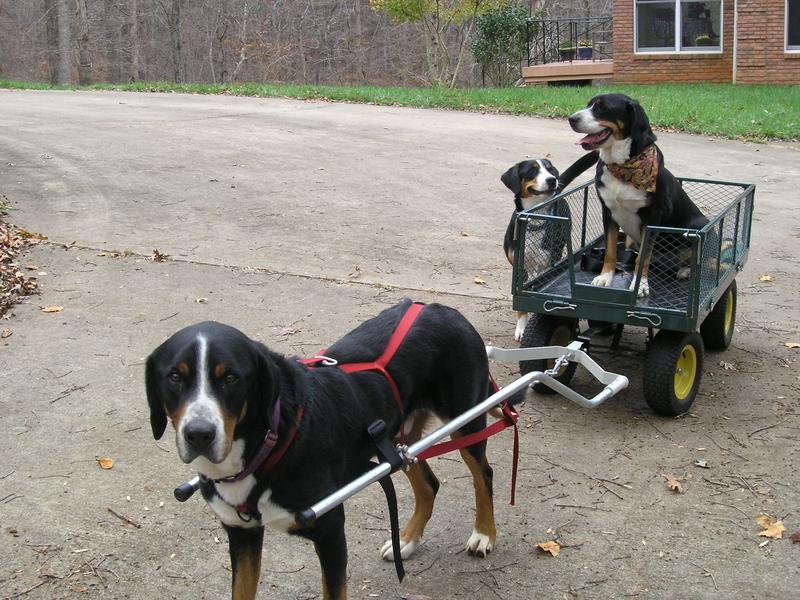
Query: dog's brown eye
231	378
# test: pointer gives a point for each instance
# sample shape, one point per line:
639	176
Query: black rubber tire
664	392
544	330
717	330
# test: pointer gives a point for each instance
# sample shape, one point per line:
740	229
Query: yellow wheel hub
685	372
562	336
728	311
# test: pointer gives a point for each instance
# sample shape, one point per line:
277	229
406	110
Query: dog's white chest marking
623	201
231	495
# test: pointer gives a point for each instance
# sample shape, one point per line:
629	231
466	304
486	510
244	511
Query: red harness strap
510	417
380	363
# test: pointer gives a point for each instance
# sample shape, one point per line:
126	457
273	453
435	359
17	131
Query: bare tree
51	19
172	13
84	62
133	40
64	43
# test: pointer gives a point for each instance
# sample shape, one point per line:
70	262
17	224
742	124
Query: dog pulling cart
691	305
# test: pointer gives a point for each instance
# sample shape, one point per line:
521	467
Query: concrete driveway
294	221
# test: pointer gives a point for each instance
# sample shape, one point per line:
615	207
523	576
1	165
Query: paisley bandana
640	171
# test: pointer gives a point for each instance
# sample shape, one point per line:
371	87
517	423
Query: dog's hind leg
484	534
245	550
425	486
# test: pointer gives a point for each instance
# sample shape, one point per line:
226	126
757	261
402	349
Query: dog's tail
576	168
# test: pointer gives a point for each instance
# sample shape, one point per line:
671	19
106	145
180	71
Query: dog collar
264	457
640	171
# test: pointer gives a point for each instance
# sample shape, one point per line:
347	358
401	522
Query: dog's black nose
551	181
200	434
573	120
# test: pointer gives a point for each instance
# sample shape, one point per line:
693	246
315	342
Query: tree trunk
176	45
133	40
84	61
51	20
64	43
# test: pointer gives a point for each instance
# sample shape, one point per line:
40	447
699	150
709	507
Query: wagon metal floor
666	290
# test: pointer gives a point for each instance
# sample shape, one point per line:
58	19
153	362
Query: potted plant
585	49
566	52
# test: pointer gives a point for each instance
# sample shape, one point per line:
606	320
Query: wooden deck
575	70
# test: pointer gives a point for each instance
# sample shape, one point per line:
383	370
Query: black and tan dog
534	182
220	389
633	184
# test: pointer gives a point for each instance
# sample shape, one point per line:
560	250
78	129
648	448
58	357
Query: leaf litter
14	283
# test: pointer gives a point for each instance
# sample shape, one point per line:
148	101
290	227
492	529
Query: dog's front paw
644	287
407	548
683	273
522	322
479	544
604	279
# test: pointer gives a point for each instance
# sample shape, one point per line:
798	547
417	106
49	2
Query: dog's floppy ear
269	381
511	179
158	416
641	132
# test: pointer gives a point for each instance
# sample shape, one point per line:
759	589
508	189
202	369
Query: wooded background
221	41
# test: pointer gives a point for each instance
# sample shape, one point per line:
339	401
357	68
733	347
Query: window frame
676	49
794	49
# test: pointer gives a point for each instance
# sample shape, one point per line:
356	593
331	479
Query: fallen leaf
479	281
105	463
6	333
762	520
727	366
795	537
552	547
792	345
673	483
201	300
464	233
772	529
159	256
416	597
52	309
764	278
703	464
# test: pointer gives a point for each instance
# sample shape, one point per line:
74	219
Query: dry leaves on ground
52	309
792	345
673	483
795	537
14	285
6	333
479	281
551	547
159	256
765	278
771	529
105	463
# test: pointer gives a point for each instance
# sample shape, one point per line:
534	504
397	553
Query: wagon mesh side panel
669	272
709	263
711	198
593	224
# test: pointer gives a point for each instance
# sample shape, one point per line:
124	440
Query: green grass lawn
752	112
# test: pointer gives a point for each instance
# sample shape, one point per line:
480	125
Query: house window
679	25
793	24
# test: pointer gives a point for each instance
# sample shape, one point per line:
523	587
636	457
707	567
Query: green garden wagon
692	302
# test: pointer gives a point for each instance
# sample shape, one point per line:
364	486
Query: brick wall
653	68
760	54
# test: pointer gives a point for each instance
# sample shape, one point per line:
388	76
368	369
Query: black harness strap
388	453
